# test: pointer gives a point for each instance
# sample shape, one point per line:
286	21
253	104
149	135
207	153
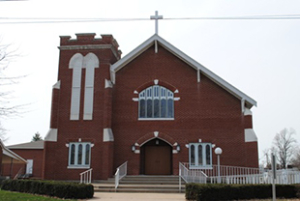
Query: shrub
50	188
214	192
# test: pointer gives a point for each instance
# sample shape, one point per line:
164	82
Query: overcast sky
260	57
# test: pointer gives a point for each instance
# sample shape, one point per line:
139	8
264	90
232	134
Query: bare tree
284	142
296	159
7	55
267	156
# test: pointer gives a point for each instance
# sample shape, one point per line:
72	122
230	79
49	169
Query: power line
18	20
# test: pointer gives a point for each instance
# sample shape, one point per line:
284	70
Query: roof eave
191	62
10	153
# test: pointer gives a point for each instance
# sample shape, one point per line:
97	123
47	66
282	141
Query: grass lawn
15	196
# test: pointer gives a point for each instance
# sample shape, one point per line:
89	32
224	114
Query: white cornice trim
84	47
191	62
89	47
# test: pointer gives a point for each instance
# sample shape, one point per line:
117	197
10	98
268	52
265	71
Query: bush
214	192
50	188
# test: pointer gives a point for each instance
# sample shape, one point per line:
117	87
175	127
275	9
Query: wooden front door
158	159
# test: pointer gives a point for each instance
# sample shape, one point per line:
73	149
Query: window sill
78	167
155	119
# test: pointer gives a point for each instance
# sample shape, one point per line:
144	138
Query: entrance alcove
156	158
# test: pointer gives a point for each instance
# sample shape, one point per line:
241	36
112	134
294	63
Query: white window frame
76	163
204	164
152	93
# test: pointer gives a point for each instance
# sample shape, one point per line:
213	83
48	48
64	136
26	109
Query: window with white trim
200	155
156	102
79	154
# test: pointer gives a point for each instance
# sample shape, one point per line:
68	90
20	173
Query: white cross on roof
156	17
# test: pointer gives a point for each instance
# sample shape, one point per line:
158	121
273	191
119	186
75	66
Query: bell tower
80	127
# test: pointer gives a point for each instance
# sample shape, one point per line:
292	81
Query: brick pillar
175	164
54	106
251	145
108	138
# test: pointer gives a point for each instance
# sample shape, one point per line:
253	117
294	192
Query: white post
218	151
90	177
219	177
179	179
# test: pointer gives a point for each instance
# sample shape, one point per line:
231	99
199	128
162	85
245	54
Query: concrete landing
98	196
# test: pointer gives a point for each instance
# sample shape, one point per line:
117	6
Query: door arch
156	158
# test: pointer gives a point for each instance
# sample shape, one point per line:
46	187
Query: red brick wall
54	108
56	153
205	111
11	170
248	121
252	154
36	155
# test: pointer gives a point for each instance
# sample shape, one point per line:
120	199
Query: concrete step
150	180
138	188
151	184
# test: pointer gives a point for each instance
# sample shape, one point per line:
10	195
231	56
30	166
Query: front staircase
142	183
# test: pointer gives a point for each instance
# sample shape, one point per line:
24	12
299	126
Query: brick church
154	108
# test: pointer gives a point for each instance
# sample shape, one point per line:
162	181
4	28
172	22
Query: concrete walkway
138	196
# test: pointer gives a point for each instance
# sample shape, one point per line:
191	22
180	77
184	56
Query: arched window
200	155
79	154
156	102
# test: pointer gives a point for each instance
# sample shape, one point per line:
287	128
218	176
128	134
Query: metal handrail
120	173
86	176
225	170
191	175
236	175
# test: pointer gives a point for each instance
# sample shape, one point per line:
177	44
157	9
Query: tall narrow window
87	154
208	154
90	62
200	155
156	102
192	154
72	154
79	155
142	105
76	65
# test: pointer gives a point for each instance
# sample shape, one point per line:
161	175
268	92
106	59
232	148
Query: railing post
86	176
120	173
90	180
179	179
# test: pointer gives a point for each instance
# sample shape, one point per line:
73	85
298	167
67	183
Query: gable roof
29	145
185	58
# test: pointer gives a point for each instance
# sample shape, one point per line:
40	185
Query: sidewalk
138	196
